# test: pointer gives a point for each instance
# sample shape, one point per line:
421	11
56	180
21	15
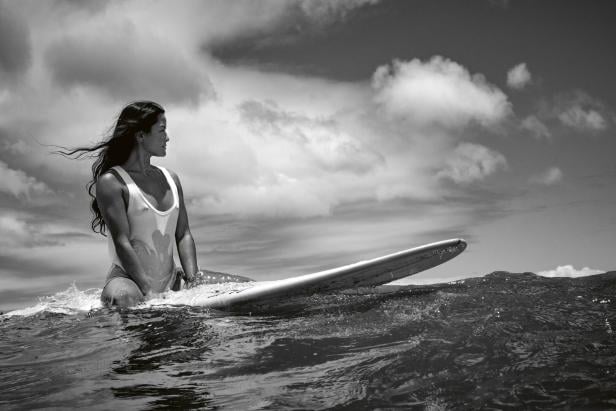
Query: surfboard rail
367	273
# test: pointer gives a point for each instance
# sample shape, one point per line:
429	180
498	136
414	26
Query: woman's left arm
184	239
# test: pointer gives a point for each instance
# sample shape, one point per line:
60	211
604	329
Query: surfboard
370	273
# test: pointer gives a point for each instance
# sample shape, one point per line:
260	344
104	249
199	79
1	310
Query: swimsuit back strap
131	186
128	180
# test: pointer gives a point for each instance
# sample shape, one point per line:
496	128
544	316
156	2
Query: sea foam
75	301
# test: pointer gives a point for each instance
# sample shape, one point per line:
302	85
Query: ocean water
503	341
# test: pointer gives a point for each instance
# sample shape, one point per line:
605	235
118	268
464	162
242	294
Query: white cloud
472	162
18	148
569	271
281	198
254	158
518	77
580	111
438	91
16	231
536	127
283	164
13	231
294	153
320	140
280	131
549	177
582	119
19	184
22	230
269	144
328	11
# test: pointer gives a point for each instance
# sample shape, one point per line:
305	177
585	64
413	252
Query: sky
310	134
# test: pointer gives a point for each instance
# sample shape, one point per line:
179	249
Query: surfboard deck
367	273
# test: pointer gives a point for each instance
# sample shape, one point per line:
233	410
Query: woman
142	206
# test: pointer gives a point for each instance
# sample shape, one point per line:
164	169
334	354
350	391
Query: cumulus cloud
19	184
295	154
582	119
270	144
438	91
321	139
518	77
472	162
295	158
536	127
580	111
285	163
549	177
569	271
15	47
125	65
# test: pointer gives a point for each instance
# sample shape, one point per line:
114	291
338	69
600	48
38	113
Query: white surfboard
368	273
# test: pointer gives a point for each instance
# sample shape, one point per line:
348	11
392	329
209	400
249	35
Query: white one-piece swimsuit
151	233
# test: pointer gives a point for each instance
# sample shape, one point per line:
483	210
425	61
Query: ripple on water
502	342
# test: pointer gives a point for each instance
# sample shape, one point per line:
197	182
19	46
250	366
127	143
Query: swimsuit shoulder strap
128	180
172	185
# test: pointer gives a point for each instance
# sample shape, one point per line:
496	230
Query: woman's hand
189	279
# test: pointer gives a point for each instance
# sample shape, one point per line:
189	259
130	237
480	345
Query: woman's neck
138	162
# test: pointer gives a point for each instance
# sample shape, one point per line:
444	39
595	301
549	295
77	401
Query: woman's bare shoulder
108	185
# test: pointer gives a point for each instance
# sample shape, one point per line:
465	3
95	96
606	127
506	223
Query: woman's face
155	141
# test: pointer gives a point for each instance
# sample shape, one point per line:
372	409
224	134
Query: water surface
504	341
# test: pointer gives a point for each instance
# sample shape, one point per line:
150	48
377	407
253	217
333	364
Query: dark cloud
23	268
299	20
71	235
15	47
121	67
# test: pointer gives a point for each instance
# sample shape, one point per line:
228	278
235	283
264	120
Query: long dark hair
135	117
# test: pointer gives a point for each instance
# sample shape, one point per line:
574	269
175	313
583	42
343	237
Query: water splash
70	301
196	296
74	301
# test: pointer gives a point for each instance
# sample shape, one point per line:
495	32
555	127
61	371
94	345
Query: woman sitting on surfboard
142	206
